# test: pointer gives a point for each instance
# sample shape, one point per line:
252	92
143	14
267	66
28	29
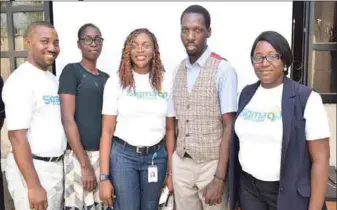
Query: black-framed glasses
89	40
257	59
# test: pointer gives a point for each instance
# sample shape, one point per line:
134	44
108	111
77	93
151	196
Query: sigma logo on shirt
273	115
147	94
53	100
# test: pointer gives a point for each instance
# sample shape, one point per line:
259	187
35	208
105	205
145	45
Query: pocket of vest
304	190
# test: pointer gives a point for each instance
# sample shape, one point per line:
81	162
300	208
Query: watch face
104	177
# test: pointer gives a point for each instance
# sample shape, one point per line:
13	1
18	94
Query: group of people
94	141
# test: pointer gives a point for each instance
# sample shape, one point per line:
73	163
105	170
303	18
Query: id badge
152	173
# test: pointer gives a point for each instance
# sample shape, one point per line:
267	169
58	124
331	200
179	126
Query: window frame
9	10
303	29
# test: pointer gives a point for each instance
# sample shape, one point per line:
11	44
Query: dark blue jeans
129	176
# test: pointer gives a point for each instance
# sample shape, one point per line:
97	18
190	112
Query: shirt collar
34	68
201	60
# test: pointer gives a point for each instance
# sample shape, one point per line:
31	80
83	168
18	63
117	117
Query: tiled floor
332	206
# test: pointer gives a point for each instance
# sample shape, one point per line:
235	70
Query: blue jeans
129	176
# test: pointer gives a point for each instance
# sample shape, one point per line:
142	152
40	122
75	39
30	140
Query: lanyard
153	157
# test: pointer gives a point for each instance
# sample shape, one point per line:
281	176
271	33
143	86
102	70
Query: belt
139	150
48	159
255	180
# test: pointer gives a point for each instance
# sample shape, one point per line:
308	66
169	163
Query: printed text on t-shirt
54	100
147	94
252	115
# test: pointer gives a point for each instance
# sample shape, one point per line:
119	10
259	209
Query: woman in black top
81	94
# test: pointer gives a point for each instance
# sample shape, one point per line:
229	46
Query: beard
41	63
193	52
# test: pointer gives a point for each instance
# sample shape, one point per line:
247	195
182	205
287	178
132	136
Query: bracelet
218	177
168	174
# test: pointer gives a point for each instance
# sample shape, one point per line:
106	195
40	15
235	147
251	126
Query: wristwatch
104	177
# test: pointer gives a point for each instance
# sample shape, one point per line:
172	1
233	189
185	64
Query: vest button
188	106
187	121
187	135
281	189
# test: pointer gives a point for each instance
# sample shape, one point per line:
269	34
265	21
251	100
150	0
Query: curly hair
125	67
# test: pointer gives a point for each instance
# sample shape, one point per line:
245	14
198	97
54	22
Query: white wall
234	29
235	25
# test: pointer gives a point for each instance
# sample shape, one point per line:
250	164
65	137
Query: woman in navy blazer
279	154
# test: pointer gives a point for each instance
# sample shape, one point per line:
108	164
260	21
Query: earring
285	68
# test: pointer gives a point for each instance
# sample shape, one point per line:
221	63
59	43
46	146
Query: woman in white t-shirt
132	147
280	147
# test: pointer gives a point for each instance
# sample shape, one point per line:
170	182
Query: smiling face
269	72
43	46
142	51
91	43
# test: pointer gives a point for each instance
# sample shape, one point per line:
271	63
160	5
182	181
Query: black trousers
2	201
255	194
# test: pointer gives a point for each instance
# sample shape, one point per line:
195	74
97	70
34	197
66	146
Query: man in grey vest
205	101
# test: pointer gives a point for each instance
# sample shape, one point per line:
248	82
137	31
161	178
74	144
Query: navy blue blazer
294	190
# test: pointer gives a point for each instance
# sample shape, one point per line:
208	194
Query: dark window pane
4	33
21	22
325	21
323	75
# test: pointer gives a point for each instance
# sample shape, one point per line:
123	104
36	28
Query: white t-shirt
260	131
141	114
31	102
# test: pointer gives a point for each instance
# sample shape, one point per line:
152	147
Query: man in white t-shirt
34	169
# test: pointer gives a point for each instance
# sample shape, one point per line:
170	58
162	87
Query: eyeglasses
145	46
89	40
257	59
